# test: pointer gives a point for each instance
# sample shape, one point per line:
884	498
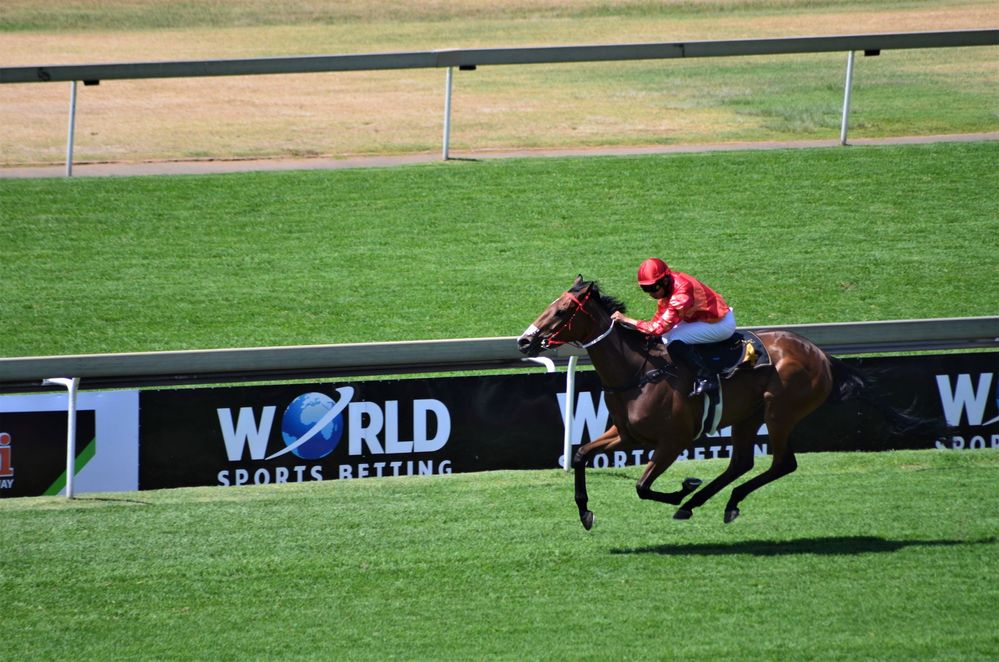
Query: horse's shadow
834	546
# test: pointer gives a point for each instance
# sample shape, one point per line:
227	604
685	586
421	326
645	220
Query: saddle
744	350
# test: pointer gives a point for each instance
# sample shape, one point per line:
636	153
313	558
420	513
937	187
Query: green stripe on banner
81	461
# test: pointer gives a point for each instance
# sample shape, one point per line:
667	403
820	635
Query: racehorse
646	396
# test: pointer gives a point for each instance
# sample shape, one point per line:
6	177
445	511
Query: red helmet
652	271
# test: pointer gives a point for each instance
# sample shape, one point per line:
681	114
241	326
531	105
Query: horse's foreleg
741	462
661	461
607	440
585	515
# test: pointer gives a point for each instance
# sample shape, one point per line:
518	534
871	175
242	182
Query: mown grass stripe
477	249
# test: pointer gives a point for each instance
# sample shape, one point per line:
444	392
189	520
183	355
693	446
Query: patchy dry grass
495	107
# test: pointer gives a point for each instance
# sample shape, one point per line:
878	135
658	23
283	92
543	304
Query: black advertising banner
274	434
33	451
343	430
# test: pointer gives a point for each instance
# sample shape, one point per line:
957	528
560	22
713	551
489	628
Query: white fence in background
469	59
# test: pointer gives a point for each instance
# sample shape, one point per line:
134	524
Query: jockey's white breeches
698	333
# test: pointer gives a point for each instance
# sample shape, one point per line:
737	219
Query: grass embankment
478	249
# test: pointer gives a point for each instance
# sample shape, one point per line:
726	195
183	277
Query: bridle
553	341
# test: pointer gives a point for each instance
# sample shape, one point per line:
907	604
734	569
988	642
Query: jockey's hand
621	318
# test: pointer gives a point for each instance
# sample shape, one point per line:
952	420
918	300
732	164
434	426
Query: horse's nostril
523	342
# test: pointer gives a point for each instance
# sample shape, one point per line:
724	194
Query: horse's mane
607	302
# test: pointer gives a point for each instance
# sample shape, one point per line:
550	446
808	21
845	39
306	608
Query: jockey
689	313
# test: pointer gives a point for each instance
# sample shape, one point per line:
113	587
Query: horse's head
575	316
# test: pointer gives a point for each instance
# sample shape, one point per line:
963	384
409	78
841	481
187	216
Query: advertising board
337	430
33	443
343	430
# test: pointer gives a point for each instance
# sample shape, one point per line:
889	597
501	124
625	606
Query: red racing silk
690	301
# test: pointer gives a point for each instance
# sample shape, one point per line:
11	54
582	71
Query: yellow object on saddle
743	351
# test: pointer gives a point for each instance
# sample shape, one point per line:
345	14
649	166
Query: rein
587	345
648	378
553	341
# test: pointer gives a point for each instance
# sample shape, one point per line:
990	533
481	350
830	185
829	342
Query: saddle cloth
743	349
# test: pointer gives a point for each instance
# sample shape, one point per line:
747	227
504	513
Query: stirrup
704	385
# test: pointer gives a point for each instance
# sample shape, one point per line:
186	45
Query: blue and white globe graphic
315	423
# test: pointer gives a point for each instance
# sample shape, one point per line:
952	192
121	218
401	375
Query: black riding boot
706	380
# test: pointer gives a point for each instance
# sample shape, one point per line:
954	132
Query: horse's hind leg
743	434
783	464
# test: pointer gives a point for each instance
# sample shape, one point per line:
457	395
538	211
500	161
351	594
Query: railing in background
396	358
469	59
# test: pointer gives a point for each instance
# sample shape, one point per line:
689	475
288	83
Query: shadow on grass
112	500
823	546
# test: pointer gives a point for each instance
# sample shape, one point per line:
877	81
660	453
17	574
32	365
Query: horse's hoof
587	520
730	515
683	513
691	484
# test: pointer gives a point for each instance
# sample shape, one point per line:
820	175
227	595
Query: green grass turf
478	249
856	556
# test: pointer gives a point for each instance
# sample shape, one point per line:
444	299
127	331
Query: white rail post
570	399
846	97
72	129
548	364
71	385
447	111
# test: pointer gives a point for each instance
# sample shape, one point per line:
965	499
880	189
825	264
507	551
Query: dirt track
250	165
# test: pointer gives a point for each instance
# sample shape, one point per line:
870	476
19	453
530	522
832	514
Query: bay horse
658	414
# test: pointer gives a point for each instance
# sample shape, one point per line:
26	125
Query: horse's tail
853	383
848	382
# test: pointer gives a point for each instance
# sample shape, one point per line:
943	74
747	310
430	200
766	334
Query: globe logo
312	425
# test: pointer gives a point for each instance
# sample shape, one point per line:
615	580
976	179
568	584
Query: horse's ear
580	285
